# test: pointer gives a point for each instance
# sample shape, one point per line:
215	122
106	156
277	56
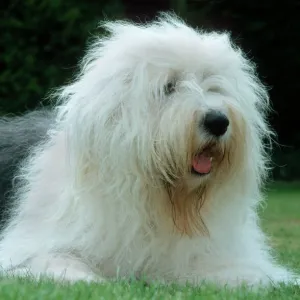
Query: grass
280	219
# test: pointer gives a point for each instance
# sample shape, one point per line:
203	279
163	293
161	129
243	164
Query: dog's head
178	108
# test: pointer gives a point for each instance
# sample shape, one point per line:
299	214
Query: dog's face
196	131
184	109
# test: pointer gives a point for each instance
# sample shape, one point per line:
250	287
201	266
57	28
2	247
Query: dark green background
42	41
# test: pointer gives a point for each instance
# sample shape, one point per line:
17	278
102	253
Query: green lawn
281	220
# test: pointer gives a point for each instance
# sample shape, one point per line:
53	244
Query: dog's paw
70	275
73	276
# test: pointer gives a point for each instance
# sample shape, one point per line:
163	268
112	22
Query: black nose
216	122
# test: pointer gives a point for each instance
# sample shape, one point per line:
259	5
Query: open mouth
202	163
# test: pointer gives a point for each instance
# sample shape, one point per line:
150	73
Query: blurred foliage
42	41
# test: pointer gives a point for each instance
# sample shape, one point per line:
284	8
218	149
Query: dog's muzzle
215	124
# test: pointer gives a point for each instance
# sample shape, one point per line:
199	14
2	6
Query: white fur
94	204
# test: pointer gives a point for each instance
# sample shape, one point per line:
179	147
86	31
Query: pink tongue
202	164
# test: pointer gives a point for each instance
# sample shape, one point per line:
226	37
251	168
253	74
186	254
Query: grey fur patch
17	135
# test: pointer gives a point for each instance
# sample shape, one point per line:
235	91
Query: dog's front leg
62	268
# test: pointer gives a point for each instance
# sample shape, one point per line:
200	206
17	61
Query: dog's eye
215	89
170	87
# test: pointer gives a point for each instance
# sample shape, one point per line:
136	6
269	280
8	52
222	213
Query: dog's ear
89	111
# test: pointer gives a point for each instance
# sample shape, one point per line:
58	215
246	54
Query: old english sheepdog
150	166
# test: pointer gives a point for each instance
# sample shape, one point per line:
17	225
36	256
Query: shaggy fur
109	192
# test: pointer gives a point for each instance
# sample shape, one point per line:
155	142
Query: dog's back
17	136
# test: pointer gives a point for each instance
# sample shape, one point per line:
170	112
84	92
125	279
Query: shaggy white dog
152	168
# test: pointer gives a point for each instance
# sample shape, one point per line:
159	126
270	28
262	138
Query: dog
150	165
